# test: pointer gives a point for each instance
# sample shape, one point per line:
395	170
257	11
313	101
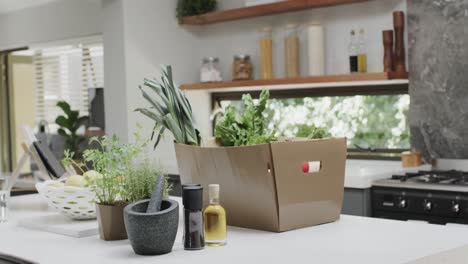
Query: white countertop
350	240
361	173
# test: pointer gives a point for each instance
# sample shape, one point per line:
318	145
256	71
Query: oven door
435	207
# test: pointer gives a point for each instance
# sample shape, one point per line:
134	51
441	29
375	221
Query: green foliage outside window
368	121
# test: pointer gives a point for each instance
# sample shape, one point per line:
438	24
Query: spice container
192	199
210	70
266	54
242	68
316	48
291	51
411	159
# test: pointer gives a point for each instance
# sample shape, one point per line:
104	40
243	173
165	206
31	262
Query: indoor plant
195	7
111	160
68	127
122	180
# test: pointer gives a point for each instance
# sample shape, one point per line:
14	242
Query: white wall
226	39
51	22
139	35
153	37
115	69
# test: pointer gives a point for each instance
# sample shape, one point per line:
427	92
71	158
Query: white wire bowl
74	202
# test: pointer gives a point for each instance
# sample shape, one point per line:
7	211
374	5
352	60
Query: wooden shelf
311	81
262	10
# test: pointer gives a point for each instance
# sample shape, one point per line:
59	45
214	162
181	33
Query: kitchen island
352	239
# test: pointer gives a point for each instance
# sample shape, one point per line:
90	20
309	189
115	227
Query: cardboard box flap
245	176
301	195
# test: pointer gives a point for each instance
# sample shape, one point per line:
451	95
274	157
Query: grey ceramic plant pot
154	233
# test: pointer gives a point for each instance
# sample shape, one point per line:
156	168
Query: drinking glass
4	198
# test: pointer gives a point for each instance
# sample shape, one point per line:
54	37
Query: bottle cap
314	23
241	57
266	29
190	185
213	190
291	26
192	197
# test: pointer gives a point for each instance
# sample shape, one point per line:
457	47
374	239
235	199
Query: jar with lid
266	53
316	48
210	70
291	51
242	68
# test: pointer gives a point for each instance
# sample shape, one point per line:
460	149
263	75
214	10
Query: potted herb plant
112	160
121	180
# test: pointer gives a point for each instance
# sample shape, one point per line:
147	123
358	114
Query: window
66	73
371	120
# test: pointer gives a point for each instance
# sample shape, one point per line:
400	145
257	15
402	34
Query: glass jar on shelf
266	53
291	51
242	68
210	70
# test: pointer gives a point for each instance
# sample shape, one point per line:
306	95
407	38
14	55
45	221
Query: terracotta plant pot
152	233
111	221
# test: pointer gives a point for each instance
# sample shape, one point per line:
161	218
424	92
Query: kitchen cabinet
357	202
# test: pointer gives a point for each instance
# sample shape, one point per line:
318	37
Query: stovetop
439	195
444	180
450	177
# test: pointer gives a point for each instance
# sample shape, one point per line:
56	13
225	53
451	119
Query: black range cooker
438	196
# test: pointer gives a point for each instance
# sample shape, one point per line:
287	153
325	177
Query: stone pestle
154	204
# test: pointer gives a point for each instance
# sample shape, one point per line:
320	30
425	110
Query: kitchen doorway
34	80
16	104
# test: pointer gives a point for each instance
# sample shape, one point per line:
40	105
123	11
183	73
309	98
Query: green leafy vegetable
169	109
311	131
247	128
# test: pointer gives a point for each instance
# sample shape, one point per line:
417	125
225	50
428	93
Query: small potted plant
195	7
112	160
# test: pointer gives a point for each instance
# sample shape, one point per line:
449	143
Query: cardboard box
263	186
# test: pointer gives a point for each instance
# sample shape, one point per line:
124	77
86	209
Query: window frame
353	153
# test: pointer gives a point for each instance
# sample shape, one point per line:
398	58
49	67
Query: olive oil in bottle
362	52
214	219
353	53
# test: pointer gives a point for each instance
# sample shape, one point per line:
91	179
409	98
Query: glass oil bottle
353	53
362	52
214	218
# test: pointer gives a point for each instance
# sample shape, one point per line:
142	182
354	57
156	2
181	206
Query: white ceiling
7	6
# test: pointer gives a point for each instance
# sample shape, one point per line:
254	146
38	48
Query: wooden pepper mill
399	53
388	50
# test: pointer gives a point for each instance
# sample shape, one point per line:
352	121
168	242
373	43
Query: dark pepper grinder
192	199
399	53
388	50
